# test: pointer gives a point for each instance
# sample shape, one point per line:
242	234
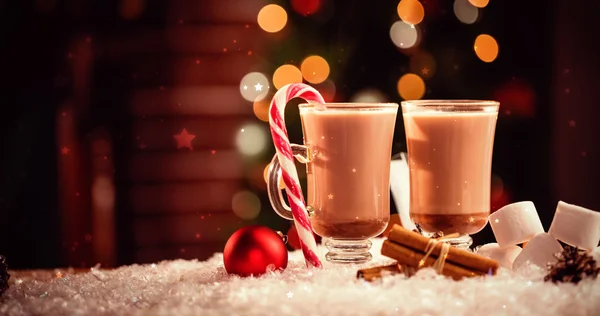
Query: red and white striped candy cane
288	168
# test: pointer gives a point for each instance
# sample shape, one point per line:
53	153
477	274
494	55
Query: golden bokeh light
465	11
423	64
479	3
411	87
261	109
327	89
254	86
286	74
411	11
252	139
315	69
272	18
369	96
266	176
404	35
246	205
486	48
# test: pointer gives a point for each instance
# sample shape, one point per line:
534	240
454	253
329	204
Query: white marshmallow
504	256
540	251
515	223
576	226
596	255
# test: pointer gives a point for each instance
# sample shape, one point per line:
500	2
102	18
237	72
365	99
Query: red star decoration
184	139
213	151
65	150
249	53
572	123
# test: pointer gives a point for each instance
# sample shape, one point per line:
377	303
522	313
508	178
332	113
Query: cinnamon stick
416	242
370	274
410	257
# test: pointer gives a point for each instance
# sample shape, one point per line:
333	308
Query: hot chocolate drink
450	160
348	177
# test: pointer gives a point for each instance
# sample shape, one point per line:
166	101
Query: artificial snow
204	288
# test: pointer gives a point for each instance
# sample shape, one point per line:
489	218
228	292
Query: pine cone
573	266
4	276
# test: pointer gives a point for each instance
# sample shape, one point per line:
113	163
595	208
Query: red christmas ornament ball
252	249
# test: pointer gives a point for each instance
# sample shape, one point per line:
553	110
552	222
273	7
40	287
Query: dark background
546	76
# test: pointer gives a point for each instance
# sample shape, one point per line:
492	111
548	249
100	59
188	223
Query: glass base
463	242
348	251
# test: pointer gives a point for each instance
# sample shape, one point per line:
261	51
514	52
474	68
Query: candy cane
288	169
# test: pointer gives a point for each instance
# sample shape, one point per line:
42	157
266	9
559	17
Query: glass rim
450	103
350	105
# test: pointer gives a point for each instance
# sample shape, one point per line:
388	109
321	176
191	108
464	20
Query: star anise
573	265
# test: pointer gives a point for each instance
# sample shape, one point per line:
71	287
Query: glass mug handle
276	198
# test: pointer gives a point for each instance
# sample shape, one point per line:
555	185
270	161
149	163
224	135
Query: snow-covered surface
204	288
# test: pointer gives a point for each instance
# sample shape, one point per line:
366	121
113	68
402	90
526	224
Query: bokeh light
486	48
500	194
497	187
272	18
369	96
327	89
103	192
251	139
423	63
261	109
315	69
246	205
131	9
517	98
404	35
266	176
254	86
286	74
306	7
465	11
411	11
411	87
479	3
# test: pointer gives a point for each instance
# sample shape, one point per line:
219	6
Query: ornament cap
284	238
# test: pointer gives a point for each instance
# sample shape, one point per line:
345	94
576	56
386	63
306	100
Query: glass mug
347	151
450	144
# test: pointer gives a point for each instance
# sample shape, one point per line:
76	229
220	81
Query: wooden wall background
172	65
